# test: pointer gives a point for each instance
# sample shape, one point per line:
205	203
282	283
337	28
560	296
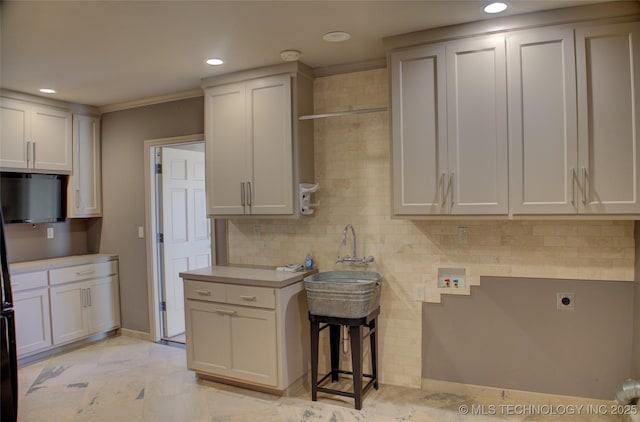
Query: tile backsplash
352	161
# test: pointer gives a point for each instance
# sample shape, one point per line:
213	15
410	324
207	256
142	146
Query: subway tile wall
352	163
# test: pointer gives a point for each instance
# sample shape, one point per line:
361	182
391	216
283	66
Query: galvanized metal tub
343	294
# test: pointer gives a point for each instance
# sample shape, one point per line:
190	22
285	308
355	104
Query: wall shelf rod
342	113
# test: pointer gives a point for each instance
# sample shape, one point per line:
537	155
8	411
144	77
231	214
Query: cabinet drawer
28	280
82	272
261	297
202	290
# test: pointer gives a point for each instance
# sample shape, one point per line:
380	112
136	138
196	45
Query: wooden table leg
315	334
373	338
356	362
334	334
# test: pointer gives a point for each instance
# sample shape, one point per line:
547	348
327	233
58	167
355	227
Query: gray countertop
65	261
249	276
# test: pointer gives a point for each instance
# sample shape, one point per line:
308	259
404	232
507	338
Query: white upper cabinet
84	195
256	151
35	137
608	80
542	122
418	109
450	129
477	126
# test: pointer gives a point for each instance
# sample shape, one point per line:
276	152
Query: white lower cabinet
232	341
255	336
58	306
31	307
84	308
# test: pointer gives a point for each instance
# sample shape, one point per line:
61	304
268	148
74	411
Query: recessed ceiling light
336	36
495	7
215	62
48	91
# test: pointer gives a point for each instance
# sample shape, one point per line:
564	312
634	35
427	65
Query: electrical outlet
257	234
565	301
50	233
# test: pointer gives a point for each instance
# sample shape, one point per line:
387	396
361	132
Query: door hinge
160	237
163	306
159	168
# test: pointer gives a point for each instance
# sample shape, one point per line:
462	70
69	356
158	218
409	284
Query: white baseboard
135	334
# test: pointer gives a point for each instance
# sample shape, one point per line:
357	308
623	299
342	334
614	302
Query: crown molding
175	96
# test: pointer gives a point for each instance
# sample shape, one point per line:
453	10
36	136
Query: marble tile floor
126	379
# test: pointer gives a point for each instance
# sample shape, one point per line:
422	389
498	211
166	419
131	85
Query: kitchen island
247	326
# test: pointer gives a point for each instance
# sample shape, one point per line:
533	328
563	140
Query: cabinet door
270	188
15	132
69	319
208	336
543	137
103	304
226	150
477	126
608	114
418	98
33	321
84	196
51	139
253	345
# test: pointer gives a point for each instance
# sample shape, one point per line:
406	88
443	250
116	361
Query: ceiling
109	52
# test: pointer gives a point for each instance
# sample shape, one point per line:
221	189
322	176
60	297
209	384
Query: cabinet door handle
585	196
33	156
442	189
451	185
83	297
203	292
28	153
248	298
77	198
89	296
572	186
224	311
85	272
242	194
249	193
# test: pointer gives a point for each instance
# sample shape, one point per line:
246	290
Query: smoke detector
290	55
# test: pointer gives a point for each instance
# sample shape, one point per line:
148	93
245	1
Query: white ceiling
108	52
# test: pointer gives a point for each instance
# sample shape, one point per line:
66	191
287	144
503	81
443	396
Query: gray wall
509	334
123	136
26	242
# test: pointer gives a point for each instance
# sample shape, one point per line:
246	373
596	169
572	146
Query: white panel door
186	228
15	132
227	150
607	59
543	132
477	126
52	139
84	196
33	321
270	182
418	97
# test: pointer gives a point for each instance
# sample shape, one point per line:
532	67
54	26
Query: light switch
49	232
140	232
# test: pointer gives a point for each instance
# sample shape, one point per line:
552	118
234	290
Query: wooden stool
355	333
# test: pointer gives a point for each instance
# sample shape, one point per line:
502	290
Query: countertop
65	261
249	276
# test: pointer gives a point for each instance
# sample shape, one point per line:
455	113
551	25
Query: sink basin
343	294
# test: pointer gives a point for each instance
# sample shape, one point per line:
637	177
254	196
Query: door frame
151	229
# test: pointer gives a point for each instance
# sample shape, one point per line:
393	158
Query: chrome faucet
354	257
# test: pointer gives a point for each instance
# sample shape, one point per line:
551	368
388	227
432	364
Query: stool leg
315	334
334	334
356	363
373	338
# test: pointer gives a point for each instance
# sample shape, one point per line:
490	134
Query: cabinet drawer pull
86	272
203	292
224	311
249	298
